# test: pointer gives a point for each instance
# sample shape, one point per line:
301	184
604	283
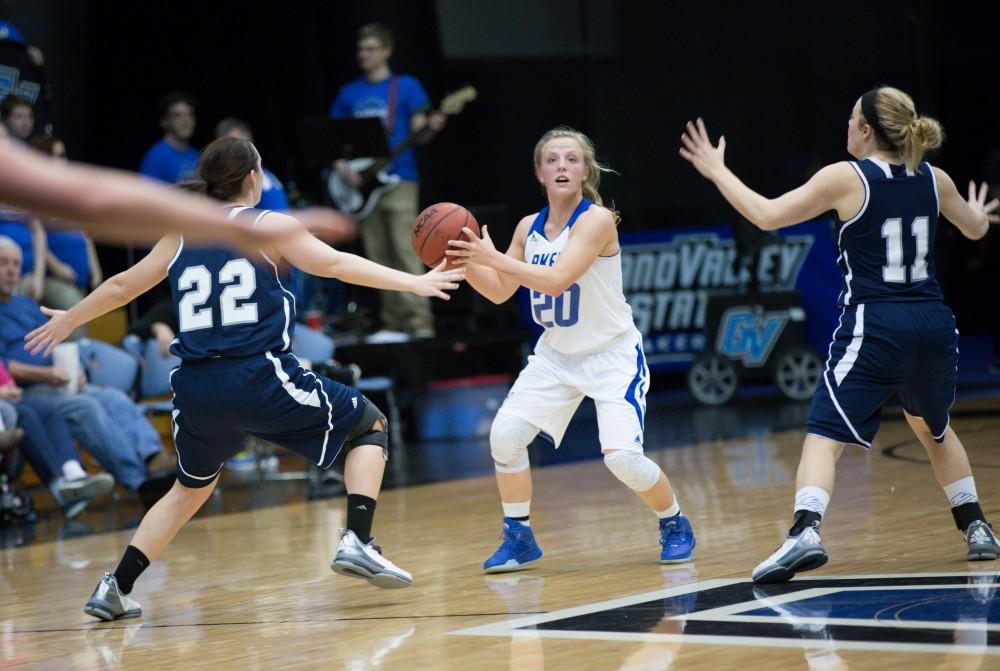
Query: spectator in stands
10	433
158	323
27	232
10	32
18	120
17	114
272	196
23	66
149	338
105	421
48	447
173	159
71	259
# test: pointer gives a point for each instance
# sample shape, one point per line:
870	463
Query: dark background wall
779	78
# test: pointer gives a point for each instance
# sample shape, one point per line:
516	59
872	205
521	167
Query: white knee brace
635	469
509	440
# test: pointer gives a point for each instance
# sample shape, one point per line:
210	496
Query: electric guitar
358	202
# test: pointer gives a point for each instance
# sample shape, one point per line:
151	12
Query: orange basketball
435	226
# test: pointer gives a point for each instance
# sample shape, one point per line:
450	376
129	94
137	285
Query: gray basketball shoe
107	603
982	541
797	553
360	560
85	488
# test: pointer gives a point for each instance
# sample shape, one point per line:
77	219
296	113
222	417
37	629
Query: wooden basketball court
253	590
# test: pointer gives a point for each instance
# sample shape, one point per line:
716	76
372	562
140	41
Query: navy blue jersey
229	305
887	249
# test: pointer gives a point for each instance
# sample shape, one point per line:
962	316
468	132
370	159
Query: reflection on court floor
914	612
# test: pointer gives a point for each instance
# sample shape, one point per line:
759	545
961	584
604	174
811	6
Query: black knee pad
364	432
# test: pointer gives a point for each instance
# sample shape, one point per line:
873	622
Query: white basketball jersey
592	312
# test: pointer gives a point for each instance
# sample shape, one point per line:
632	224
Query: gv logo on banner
750	335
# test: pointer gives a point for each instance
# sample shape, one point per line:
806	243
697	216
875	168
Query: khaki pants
386	234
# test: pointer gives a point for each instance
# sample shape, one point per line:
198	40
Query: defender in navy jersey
568	255
238	377
895	334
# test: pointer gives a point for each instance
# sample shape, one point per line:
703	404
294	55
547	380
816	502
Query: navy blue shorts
880	350
220	401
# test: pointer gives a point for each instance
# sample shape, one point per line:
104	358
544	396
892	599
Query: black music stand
324	140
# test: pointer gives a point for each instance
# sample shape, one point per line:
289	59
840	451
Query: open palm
699	150
977	201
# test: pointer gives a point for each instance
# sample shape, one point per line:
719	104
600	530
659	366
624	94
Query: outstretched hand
977	201
435	282
476	250
49	334
698	149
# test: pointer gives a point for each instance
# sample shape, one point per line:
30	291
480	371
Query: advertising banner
669	274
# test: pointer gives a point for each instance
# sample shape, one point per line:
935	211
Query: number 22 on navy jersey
228	305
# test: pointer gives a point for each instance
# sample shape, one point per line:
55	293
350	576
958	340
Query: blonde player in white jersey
569	257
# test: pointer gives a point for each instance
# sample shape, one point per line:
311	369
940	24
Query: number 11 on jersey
894	270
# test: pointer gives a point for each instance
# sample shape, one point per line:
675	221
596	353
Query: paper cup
66	357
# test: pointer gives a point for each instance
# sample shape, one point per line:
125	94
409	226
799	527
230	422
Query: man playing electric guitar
402	104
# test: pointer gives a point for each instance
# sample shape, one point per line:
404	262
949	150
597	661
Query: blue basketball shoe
677	539
517	551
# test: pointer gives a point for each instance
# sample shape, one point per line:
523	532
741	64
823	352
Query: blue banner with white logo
669	274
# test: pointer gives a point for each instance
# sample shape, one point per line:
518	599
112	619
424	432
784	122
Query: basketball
435	226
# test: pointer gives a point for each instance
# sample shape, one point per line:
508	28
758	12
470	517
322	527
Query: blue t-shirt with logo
167	164
362	98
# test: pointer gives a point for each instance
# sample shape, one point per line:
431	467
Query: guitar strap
393	95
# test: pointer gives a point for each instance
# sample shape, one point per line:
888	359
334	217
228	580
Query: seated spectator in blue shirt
71	260
104	420
18	119
173	159
28	234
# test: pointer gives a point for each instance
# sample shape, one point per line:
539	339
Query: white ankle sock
72	470
961	491
522	509
812	498
674	509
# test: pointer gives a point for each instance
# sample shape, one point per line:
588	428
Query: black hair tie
871	116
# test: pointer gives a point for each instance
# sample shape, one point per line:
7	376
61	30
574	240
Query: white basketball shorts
552	385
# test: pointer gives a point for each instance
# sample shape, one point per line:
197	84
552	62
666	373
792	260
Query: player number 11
894	270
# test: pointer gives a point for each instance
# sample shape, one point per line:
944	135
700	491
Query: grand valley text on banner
669	274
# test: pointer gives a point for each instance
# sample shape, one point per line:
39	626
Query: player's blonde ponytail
911	135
